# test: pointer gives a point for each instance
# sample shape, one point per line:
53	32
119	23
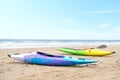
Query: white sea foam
50	44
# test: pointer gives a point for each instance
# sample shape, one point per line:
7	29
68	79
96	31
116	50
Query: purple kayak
48	59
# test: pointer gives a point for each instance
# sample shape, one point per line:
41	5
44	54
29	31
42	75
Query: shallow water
30	43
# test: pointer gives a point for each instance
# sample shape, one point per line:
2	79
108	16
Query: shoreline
30	46
54	43
107	69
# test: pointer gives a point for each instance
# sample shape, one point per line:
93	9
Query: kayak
48	59
86	52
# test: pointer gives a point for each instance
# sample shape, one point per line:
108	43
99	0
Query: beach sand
107	69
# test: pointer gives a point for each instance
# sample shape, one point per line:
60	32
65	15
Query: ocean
34	43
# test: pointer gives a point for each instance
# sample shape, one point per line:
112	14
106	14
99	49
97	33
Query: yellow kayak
87	52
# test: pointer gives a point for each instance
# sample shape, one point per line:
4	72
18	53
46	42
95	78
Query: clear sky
60	19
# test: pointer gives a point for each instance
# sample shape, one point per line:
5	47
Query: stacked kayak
87	52
48	59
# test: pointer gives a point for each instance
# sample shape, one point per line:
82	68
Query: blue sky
60	19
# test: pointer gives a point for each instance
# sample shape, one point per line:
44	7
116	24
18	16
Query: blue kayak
48	59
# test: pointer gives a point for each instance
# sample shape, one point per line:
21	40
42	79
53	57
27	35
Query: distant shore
107	69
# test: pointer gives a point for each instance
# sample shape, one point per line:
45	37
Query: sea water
34	43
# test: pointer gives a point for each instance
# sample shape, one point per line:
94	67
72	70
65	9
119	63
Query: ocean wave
52	43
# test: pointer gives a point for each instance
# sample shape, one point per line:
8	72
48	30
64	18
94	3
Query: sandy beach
107	69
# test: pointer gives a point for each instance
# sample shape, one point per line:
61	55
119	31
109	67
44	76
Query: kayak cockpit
49	55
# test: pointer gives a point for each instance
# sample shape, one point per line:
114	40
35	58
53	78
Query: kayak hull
38	58
88	52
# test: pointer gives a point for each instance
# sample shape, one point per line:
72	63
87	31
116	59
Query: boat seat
49	55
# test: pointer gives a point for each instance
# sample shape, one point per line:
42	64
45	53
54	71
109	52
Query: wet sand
107	69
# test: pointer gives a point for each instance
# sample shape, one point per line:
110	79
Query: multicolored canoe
87	52
48	59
